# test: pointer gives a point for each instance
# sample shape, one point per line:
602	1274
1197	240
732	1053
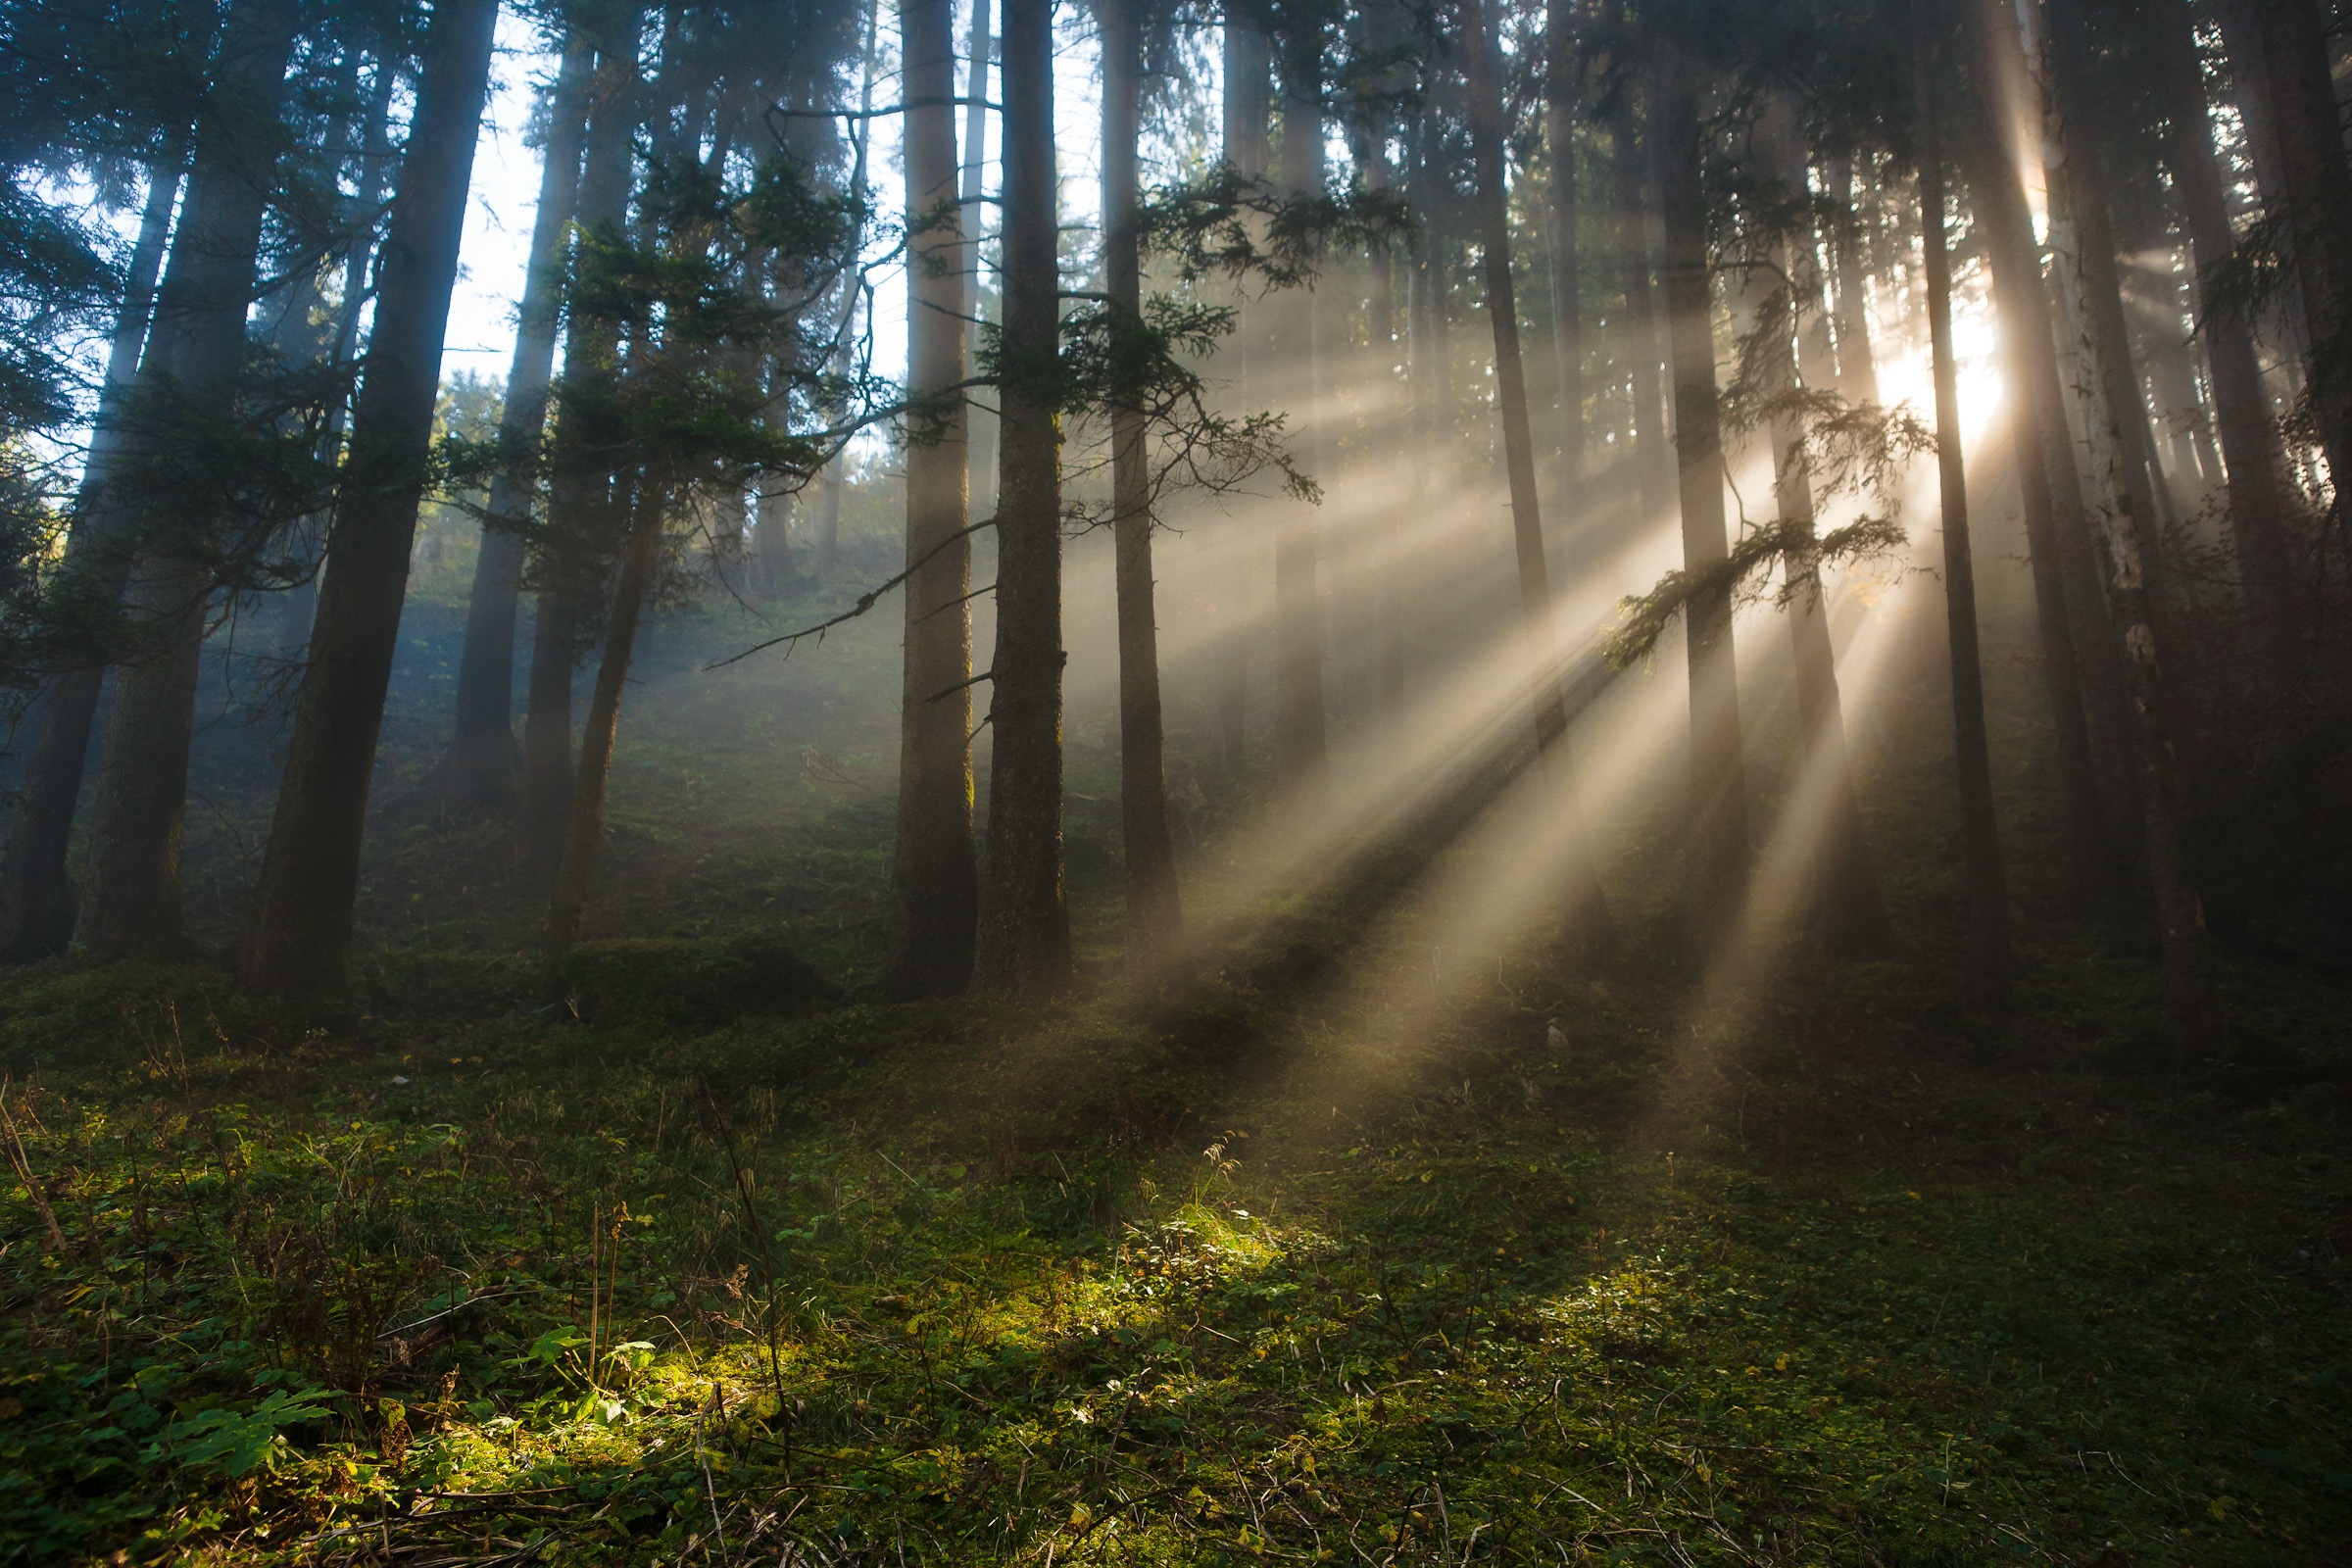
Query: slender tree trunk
482	768
1247	107
130	901
1300	752
1651	462
1024	944
771	541
301	938
1857	363
1155	918
934	879
836	481
36	914
1999	203
2281	51
981	422
2124	540
1392	419
585	828
299	606
1849	913
1988	957
2262	494
1567	278
1717	861
580	487
1588	910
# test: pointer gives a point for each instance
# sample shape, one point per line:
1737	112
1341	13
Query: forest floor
725	1262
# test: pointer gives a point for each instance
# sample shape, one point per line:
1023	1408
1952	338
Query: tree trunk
1858	363
1390	420
1567	278
36	914
2262	495
1300	754
194	355
980	423
585	827
1155	918
301	938
579	489
1998	201
772	542
2124	541
1986	979
2280	49
1246	107
1650	463
1586	910
1024	943
1849	913
299	606
1716	883
934	879
482	768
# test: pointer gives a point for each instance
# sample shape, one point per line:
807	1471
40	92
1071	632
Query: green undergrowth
463	1280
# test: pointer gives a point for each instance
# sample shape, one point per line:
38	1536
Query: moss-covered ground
730	1262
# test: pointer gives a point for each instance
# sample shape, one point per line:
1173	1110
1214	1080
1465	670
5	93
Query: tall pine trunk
1849	913
1247	104
1300	758
980	423
934	879
1024	943
1857	362
2022	305
1155	917
35	896
482	766
1652	468
130	901
584	828
2123	537
1986	980
579	489
301	937
1716	880
1586	910
2262	494
2281	51
1563	239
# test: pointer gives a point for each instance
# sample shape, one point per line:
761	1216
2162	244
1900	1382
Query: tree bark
2262	494
584	829
1716	880
1847	911
130	901
578	492
2280	50
482	766
1300	760
1858	363
301	939
1567	279
36	913
934	879
1651	465
1586	910
2022	304
1986	978
2124	546
1024	943
1154	916
1247	105
980	423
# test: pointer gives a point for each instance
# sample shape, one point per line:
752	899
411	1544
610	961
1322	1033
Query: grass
1297	1263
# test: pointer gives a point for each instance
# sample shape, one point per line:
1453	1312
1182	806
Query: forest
785	781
